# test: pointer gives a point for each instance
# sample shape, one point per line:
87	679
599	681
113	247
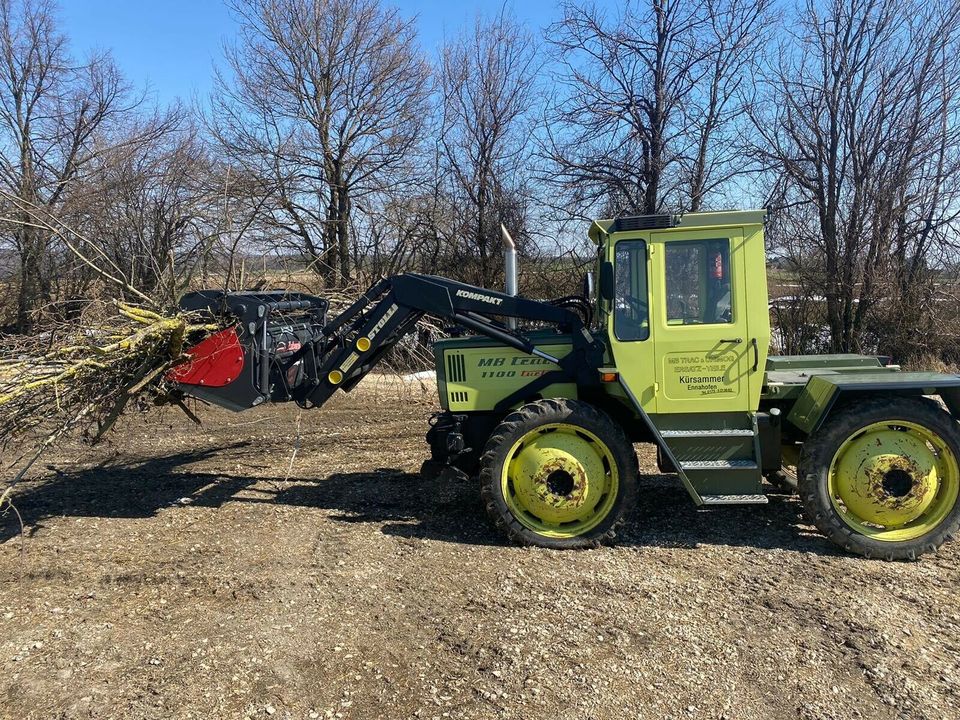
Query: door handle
735	341
756	354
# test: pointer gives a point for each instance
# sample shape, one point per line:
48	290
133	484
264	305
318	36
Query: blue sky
171	45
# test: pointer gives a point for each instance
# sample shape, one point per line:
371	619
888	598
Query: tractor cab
683	302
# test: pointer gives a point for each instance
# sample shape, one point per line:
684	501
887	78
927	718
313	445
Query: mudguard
823	392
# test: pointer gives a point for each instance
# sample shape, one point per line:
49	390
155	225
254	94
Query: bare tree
715	113
55	119
488	85
859	121
324	101
155	210
647	100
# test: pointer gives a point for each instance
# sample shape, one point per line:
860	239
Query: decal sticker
470	295
383	321
348	363
699	375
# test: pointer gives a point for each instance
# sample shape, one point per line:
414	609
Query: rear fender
824	392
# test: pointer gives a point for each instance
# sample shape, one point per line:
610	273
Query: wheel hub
551	477
560	482
897	483
887	477
559	479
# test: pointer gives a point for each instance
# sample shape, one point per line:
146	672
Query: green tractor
683	309
545	399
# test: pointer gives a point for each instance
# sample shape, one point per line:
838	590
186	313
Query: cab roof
636	223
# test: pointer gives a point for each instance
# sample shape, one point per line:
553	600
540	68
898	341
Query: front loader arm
280	346
359	337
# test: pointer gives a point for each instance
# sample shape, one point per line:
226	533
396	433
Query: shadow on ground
403	504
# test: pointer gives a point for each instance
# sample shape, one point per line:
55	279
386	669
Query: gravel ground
180	572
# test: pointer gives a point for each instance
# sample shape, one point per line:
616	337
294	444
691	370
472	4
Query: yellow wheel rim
560	480
894	480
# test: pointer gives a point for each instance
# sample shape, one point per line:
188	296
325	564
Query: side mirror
588	286
607	290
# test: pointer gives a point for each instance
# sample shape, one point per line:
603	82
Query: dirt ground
177	573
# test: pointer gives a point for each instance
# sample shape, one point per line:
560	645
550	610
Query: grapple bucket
259	356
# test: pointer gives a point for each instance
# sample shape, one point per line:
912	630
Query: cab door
629	329
701	342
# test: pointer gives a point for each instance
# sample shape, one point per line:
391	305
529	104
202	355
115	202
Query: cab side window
631	314
698	282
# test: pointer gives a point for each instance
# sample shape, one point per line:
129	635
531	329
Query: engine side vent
456	368
643	222
459	396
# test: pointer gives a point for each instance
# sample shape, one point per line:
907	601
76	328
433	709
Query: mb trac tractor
543	400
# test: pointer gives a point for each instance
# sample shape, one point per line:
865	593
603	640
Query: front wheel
558	474
882	478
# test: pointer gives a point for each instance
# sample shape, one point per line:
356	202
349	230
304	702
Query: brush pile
82	377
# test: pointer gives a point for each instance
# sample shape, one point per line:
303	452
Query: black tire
530	417
818	453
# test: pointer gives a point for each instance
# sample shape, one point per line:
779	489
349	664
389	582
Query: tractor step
718	465
706	433
734	499
718	462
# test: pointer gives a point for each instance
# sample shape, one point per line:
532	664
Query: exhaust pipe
509	268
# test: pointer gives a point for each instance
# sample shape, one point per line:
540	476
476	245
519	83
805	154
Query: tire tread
818	452
527	418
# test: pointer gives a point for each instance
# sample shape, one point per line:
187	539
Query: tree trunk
34	289
343	235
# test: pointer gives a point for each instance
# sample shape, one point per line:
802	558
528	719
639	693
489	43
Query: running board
706	433
719	465
734	499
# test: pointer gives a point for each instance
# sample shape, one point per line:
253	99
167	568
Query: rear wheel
558	474
882	478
